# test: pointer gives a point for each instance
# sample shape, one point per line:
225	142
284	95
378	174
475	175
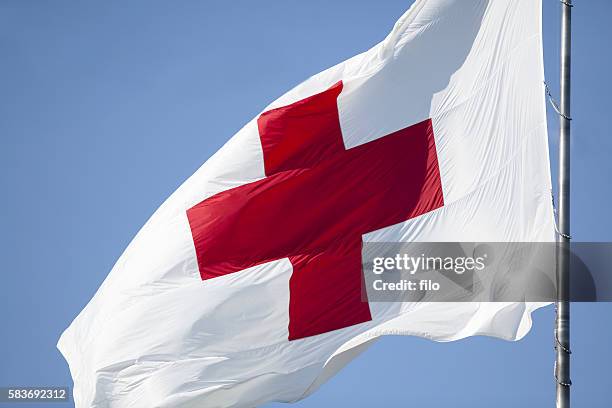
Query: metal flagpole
562	329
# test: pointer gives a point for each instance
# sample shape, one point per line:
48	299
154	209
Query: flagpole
562	327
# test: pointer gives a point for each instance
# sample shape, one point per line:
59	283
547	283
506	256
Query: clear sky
106	107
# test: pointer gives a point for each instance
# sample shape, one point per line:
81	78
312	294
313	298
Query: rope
554	104
563	383
562	234
561	346
565	350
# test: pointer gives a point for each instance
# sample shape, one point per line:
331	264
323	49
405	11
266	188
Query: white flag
245	286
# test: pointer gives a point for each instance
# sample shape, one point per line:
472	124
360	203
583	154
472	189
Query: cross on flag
245	286
315	203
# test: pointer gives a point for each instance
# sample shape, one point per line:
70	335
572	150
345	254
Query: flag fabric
245	286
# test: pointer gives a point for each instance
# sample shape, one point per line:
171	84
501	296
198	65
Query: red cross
314	205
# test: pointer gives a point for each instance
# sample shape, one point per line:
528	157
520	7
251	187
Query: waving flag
245	285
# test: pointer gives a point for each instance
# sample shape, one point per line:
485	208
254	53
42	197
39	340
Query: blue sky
106	107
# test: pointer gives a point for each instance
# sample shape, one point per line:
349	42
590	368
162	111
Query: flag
245	286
